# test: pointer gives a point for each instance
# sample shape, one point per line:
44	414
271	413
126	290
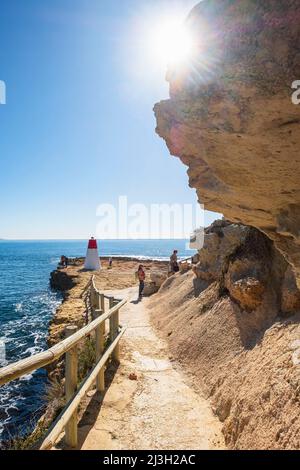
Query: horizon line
83	239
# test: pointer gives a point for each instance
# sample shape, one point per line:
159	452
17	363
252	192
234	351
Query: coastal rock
61	280
221	239
74	281
231	120
150	288
153	284
234	337
249	268
248	292
290	301
158	278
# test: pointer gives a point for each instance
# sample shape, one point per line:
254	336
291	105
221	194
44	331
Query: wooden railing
67	420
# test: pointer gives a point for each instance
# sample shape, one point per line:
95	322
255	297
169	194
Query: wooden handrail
92	282
42	359
94	286
71	407
68	346
88	285
186	259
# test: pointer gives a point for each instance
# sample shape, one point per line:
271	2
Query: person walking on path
141	275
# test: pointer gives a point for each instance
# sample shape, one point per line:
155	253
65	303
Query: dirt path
156	411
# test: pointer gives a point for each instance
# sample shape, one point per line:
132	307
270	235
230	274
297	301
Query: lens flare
171	43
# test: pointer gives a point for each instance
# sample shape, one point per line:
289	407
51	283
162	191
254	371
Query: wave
23	335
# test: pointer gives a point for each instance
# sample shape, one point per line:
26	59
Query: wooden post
42	359
116	353
111	321
71	372
114	327
102	303
94	298
64	416
102	307
100	332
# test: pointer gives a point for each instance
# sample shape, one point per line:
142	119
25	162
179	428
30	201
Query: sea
27	304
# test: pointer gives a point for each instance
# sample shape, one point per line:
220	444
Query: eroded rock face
60	280
250	269
290	294
231	120
221	240
227	325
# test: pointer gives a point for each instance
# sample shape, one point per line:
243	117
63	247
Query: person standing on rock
141	275
174	262
63	261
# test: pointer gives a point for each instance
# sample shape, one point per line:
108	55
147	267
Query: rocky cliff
231	120
234	323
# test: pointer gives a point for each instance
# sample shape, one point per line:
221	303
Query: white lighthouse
92	261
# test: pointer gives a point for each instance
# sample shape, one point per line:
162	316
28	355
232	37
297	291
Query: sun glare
157	38
171	43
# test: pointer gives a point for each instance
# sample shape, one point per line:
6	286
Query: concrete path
156	411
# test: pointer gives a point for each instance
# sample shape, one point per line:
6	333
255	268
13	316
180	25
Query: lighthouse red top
92	244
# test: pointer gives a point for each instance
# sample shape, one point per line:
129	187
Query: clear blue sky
78	126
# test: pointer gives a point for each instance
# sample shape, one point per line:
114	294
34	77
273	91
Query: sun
158	40
171	43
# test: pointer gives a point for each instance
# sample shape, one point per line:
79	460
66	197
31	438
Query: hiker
141	277
63	262
174	268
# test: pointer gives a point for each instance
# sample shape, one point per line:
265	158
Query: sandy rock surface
150	403
230	330
73	280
